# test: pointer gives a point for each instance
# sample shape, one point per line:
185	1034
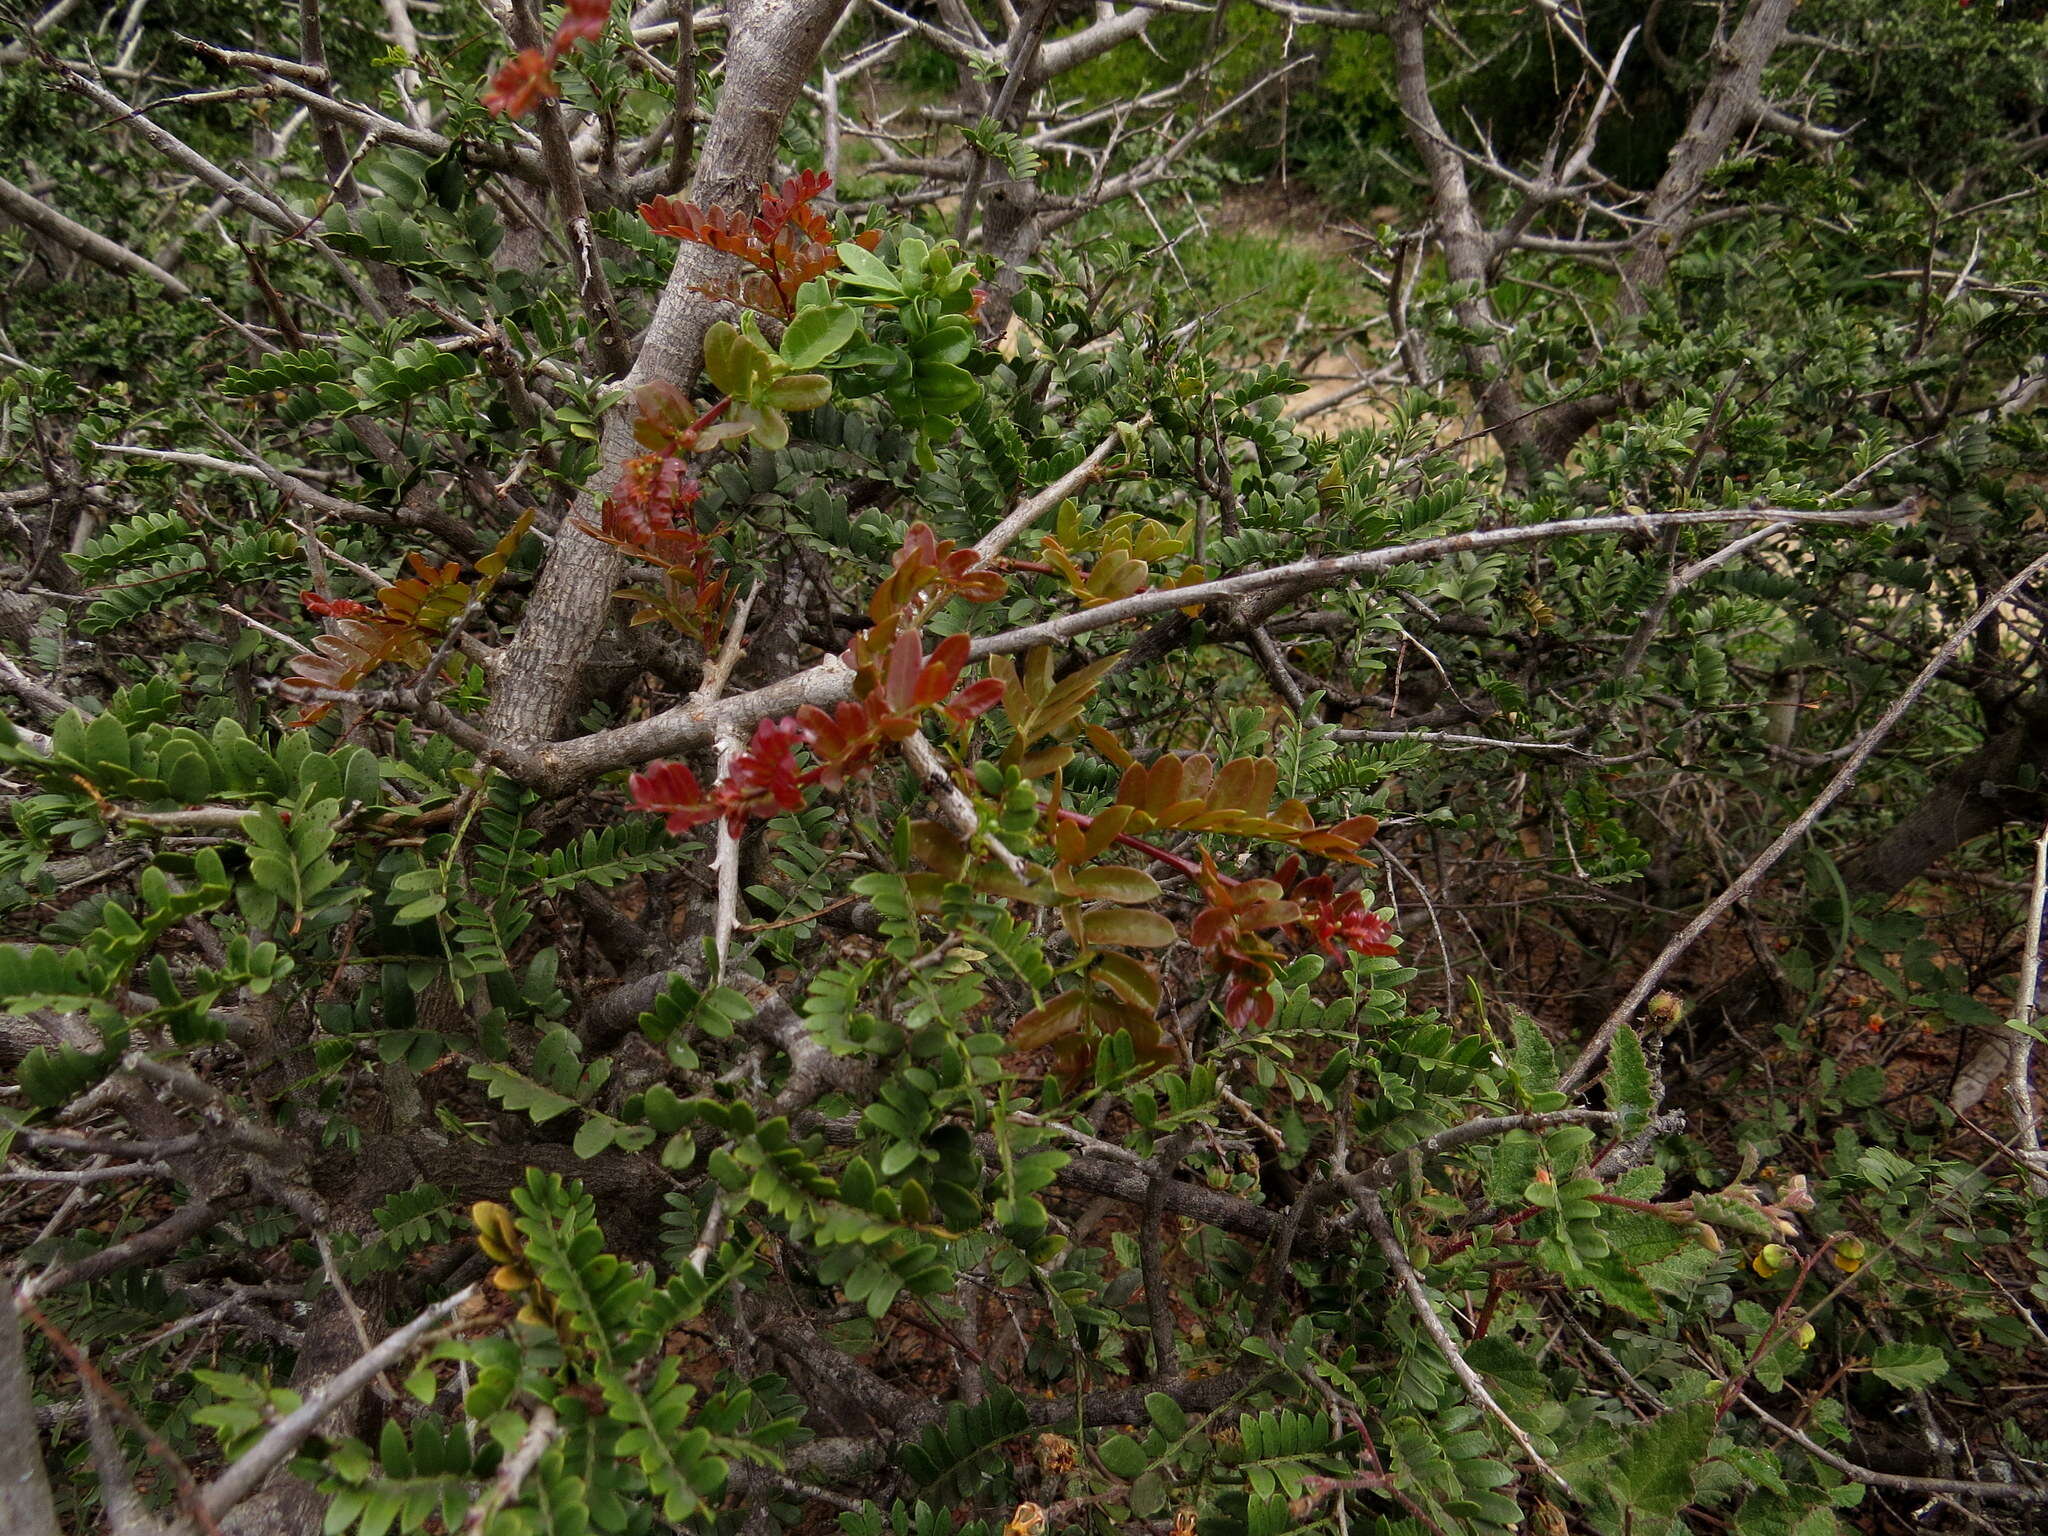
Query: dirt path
1302	224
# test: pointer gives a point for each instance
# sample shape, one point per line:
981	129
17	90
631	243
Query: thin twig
2019	1073
725	861
248	1470
1764	862
1425	1311
98	1387
166	1237
1871	1477
1032	508
541	1430
88	1175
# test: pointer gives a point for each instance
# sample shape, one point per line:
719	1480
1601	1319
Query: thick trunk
772	46
1980	795
1466	244
1728	105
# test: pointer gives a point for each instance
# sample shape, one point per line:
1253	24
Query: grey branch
25	1504
248	1470
1763	863
1382	1229
682	729
1870	1477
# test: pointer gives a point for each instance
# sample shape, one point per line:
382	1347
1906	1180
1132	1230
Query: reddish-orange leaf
975	700
334	607
526	80
583	19
671	790
938	675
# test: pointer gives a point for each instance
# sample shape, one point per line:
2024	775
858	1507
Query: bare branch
685	728
1727	105
246	1473
2022	1493
260	205
2019	1079
1030	510
46	702
1382	1229
1326	16
1739	888
25	1503
593	288
165	1238
98	249
541	1430
1092	41
956	812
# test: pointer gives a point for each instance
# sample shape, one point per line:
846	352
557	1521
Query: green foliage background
912	1300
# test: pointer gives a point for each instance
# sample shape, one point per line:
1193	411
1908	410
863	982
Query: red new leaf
334	607
975	700
764	779
671	790
942	671
650	510
526	80
845	741
905	667
583	19
1345	922
1337	923
788	242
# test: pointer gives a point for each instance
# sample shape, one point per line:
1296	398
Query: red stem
1496	1283
1647	1207
1770	1334
1452	1249
1187	867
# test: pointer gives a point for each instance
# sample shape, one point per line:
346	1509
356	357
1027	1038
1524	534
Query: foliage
1106	1065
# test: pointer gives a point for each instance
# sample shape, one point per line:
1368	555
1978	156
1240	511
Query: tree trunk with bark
25	1505
772	47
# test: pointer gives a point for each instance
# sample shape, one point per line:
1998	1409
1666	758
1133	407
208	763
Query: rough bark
1729	103
1467	247
772	46
25	1505
34	214
1977	797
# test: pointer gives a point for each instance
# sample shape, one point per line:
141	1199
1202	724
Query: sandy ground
1292	217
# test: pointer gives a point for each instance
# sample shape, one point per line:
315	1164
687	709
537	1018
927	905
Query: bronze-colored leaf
1106	743
1108	827
938	849
1107	882
1050	1021
1131	929
1236	785
1129	977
